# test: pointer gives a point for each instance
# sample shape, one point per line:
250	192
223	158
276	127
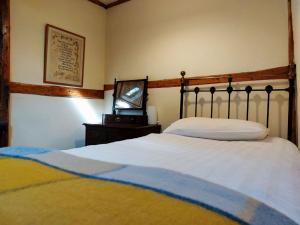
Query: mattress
266	170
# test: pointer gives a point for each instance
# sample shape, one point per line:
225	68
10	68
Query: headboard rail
289	75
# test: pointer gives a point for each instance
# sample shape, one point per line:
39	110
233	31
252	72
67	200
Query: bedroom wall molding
278	73
110	5
54	91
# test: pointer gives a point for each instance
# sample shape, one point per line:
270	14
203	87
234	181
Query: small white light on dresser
152	114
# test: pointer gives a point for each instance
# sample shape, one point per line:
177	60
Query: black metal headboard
269	89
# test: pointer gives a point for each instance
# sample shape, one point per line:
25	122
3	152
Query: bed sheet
266	170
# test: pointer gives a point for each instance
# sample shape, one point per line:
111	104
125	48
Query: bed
168	178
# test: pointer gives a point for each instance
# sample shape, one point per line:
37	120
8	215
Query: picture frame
64	57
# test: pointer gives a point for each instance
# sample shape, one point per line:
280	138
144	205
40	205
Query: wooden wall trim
277	73
51	90
107	6
108	87
268	74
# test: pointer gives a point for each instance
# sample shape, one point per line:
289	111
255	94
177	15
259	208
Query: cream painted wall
48	121
161	38
296	15
144	37
28	20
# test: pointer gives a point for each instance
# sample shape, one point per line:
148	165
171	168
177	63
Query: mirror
130	95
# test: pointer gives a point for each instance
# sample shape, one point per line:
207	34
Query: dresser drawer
125	119
101	134
95	135
119	134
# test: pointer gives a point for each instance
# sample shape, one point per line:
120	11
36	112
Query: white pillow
218	129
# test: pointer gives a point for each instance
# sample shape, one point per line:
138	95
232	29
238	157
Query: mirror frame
144	100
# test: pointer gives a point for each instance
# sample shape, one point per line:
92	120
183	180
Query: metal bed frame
269	89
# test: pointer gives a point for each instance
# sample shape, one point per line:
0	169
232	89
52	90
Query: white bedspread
267	170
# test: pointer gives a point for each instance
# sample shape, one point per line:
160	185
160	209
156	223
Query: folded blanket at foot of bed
38	186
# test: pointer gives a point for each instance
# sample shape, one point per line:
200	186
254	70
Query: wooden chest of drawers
102	134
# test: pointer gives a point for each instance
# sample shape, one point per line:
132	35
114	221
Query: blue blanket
203	194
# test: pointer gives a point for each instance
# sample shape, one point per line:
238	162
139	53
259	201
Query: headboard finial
182	78
182	91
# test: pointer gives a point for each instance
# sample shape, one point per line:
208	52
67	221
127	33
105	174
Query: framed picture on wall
64	57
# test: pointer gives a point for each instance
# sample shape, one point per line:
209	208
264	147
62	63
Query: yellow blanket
35	194
45	187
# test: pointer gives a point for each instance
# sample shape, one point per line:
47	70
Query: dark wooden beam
119	2
107	6
4	68
291	34
98	3
293	104
292	123
58	91
5	14
268	74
